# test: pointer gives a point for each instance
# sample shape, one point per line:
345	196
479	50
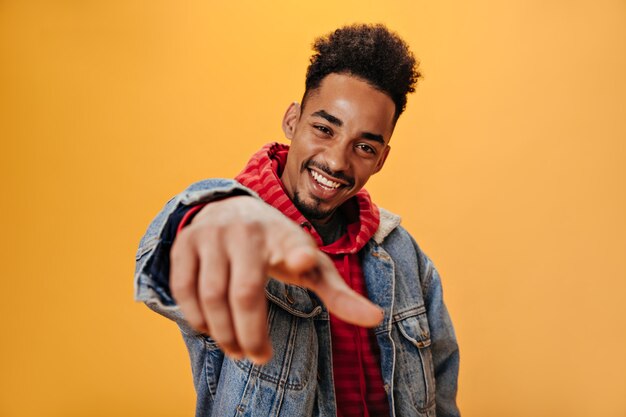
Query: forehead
355	102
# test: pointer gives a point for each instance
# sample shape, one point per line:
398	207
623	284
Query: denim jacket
418	349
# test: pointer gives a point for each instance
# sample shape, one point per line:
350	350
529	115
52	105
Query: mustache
326	169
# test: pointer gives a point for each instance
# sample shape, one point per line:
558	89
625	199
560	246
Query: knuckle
195	322
226	342
248	228
246	295
298	238
178	249
214	231
212	296
181	288
209	236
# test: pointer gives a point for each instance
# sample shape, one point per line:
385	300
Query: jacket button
288	296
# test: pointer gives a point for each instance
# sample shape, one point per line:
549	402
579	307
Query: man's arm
219	266
152	264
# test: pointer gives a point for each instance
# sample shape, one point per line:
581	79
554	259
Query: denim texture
418	348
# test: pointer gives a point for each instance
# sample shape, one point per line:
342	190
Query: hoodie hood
262	175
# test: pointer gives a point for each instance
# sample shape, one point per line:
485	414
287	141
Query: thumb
339	298
290	264
299	261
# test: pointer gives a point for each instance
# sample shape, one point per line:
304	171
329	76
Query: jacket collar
388	222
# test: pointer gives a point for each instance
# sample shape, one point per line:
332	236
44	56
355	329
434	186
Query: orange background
509	168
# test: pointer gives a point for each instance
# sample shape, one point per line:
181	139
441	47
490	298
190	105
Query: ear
290	119
383	158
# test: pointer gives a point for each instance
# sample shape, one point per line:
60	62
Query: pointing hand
220	264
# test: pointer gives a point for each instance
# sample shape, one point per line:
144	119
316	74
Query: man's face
338	140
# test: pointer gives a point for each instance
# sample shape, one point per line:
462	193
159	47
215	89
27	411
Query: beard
311	211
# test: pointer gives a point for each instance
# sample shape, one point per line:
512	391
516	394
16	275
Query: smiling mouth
324	182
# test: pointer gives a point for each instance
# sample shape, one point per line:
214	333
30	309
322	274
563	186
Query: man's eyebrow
374	137
337	122
329	117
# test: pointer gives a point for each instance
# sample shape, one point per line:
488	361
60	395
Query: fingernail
257	360
233	353
261	358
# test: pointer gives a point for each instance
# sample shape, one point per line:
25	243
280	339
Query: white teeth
323	180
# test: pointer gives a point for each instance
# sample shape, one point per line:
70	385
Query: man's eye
366	148
323	129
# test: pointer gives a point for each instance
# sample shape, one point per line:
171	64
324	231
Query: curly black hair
367	51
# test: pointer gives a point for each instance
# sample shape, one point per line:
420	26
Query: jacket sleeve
444	347
152	257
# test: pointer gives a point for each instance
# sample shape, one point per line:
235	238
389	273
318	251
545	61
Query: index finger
339	298
296	259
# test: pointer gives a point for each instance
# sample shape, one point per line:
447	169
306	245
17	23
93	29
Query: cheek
300	146
367	169
360	178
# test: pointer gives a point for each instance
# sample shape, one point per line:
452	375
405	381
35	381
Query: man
298	343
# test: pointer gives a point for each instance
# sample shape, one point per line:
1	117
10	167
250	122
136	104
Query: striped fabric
358	381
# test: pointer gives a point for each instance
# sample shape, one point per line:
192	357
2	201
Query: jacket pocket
213	360
294	343
206	366
414	362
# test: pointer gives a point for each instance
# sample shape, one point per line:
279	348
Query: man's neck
331	230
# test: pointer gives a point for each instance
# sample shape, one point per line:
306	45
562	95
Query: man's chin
311	209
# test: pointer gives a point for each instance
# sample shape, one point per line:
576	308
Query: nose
337	156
